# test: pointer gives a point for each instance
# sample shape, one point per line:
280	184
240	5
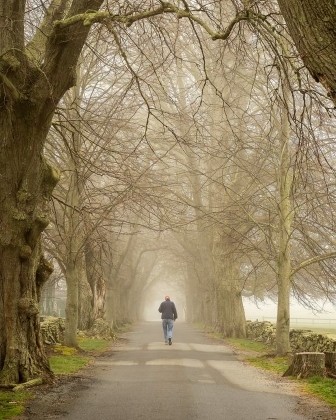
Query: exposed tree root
28	384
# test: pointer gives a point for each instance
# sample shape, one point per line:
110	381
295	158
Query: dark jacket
168	310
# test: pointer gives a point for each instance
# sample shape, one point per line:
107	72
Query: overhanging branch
312	260
90	17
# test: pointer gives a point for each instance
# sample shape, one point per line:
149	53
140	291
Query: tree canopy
200	122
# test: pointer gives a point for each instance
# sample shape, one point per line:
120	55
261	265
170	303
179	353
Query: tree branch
36	47
312	260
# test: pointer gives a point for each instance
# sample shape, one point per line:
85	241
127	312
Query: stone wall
300	340
52	330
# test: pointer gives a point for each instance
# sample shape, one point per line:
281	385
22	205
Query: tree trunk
94	274
193	298
330	361
231	320
30	89
73	265
307	365
311	24
126	313
85	307
74	225
26	182
71	307
111	271
286	214
113	302
48	301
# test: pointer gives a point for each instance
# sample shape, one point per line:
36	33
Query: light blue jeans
167	325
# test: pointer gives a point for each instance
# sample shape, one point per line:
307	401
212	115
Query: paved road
192	379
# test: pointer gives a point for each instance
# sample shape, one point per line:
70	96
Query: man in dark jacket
168	316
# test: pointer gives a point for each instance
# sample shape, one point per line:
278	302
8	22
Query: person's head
167	297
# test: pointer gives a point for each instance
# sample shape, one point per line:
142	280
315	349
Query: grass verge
123	328
69	360
263	357
324	388
63	361
12	403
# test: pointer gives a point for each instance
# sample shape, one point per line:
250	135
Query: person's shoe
169	341
166	343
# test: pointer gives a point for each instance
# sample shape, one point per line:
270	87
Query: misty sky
269	310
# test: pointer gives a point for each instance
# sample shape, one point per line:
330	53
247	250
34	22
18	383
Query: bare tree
40	45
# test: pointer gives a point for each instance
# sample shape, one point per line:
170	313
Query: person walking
168	316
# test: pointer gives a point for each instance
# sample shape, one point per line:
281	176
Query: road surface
195	378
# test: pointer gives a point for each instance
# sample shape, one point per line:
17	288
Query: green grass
63	365
12	403
64	350
250	345
123	328
265	359
262	356
67	360
209	330
63	361
278	364
96	345
324	388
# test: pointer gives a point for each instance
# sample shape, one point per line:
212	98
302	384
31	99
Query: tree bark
231	320
85	301
193	295
307	365
29	93
96	280
25	187
78	306
71	307
330	361
286	214
311	24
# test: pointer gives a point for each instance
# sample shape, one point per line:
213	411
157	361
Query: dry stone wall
52	330
300	340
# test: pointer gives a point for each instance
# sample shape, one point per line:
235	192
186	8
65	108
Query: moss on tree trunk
30	88
25	187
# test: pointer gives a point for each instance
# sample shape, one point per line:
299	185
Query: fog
268	311
264	311
157	294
